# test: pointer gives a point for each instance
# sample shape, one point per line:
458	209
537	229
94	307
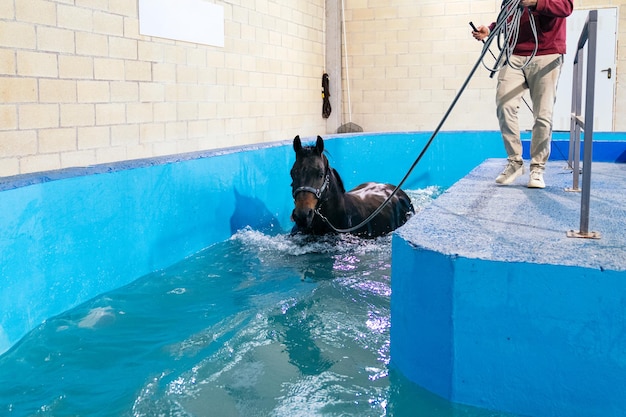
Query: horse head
310	177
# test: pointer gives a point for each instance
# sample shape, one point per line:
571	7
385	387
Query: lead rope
508	18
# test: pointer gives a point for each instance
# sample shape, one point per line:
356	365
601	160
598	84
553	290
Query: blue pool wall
69	235
525	338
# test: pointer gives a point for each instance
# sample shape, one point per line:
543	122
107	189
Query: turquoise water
257	325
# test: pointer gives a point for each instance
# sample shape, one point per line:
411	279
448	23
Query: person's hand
528	3
480	33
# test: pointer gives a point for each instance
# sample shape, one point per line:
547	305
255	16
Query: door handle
608	72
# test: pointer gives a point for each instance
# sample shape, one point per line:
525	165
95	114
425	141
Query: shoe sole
536	185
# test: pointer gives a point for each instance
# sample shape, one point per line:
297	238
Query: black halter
316	191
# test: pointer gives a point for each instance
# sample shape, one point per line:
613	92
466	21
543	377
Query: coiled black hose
326	109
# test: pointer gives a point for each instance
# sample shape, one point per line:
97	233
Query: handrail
588	36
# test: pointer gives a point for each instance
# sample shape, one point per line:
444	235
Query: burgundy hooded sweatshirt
550	17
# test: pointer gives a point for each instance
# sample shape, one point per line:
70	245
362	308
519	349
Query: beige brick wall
80	86
408	59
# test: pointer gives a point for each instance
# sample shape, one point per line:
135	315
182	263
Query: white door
605	71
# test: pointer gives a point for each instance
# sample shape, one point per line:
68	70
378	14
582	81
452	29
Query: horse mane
340	185
339	180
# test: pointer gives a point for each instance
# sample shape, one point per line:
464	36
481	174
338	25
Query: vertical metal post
589	107
573	112
589	34
574	142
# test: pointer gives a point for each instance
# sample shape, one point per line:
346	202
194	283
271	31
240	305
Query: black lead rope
326	109
502	21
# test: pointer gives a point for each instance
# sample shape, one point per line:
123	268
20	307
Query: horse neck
334	203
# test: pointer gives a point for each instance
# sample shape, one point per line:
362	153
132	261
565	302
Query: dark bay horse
321	199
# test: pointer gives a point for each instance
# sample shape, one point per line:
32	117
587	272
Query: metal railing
588	36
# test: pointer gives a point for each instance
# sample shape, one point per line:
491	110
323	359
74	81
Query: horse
323	206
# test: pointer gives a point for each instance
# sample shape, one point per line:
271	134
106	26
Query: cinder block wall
79	85
408	59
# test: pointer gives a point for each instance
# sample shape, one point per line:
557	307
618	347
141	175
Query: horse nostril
303	216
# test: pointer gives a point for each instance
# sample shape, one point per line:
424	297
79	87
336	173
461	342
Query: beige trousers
540	77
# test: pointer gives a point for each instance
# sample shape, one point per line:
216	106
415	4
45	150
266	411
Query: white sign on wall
184	20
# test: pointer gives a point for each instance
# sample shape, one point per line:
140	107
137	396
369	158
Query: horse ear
319	145
297	145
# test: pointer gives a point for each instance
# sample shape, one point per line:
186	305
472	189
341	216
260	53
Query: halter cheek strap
316	191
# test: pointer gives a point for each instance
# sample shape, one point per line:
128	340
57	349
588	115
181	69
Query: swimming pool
73	239
67	236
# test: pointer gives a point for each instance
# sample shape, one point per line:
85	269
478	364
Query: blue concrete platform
494	306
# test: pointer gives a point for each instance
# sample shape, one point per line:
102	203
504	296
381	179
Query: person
540	76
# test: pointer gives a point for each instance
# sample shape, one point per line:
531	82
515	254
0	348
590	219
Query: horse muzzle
304	211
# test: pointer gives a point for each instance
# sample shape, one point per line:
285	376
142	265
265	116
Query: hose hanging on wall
326	109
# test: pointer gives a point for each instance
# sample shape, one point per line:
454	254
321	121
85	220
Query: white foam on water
97	317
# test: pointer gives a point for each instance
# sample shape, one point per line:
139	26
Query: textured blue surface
477	218
493	305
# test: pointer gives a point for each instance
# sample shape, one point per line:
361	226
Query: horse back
367	197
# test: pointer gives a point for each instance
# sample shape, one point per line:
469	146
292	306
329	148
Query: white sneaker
510	173
536	179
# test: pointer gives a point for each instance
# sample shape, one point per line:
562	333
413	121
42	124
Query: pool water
257	325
